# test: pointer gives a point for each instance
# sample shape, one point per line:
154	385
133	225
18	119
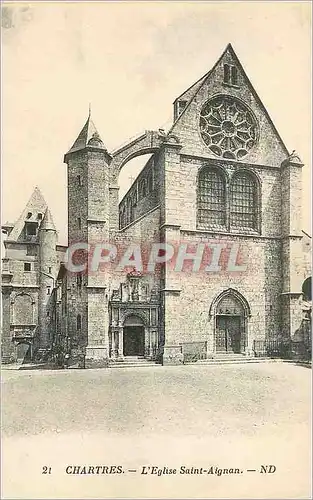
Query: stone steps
131	362
231	359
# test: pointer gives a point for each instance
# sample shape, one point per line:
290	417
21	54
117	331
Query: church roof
35	205
47	221
88	136
36	199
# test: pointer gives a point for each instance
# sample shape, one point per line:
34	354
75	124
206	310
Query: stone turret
88	165
48	269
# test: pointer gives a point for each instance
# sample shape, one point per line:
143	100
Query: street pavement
228	416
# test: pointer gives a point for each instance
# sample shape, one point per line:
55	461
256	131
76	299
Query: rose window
228	127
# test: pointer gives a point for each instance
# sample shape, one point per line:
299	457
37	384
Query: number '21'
46	470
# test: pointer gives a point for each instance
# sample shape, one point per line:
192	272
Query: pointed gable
228	81
32	213
88	136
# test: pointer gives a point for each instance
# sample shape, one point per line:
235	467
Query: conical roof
47	221
88	136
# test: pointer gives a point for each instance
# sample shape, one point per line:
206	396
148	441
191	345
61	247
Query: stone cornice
225	161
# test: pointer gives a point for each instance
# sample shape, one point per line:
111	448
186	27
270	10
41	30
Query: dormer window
39	216
230	74
181	106
29	215
31	228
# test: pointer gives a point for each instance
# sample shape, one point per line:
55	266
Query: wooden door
228	335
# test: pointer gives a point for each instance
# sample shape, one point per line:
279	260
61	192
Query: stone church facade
220	179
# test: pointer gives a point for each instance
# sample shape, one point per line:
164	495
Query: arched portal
133	336
230	311
307	289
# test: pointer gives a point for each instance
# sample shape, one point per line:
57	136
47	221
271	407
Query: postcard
156	250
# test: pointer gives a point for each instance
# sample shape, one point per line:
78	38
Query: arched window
79	322
211	198
23	310
244	201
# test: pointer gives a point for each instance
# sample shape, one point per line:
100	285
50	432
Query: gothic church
221	175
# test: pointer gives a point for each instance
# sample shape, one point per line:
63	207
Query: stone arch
233	293
219	168
147	143
130	318
230	311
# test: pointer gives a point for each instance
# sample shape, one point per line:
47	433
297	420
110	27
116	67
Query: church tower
88	223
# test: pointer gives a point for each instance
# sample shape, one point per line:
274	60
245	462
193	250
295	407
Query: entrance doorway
231	312
228	334
134	340
133	336
23	353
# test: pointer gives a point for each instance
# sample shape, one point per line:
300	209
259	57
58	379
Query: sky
130	60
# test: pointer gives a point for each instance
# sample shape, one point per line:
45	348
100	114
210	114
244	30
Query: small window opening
79	180
48	290
230	74
79	322
29	215
226	73
49	270
27	266
31	228
234	75
79	222
79	280
39	216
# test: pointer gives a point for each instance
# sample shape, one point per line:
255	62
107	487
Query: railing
284	349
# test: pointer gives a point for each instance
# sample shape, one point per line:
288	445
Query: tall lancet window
244	201
211	198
